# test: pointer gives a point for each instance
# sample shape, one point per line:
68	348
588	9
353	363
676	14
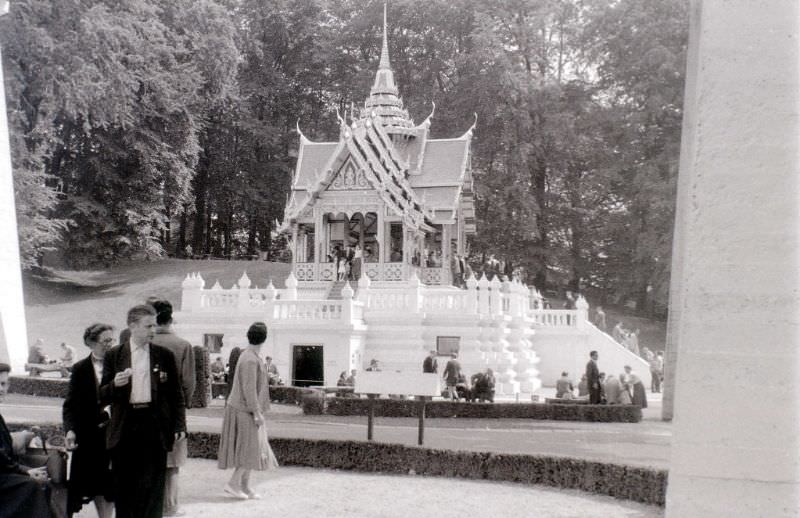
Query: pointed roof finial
384	64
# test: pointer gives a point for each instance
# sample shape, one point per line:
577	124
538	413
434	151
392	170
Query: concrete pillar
736	426
13	330
688	137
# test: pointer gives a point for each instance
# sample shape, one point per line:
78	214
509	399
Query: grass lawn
60	306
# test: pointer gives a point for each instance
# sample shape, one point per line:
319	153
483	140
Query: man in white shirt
141	382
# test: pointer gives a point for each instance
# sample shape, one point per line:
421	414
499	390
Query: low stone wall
645	485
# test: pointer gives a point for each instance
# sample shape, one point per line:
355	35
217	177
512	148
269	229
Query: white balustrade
308	310
446	300
554	317
482	298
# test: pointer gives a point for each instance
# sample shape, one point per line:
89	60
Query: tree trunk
180	247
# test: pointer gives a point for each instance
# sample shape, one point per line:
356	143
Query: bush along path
639	484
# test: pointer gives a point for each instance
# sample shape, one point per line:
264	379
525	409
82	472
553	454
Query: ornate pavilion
406	201
385	186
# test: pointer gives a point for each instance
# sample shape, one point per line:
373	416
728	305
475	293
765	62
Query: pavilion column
319	251
382	245
736	425
295	243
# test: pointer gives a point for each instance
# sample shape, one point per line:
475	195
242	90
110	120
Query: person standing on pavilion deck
593	379
184	358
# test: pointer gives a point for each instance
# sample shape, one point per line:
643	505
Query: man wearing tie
140	382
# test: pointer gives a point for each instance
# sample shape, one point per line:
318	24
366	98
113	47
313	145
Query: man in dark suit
184	360
593	379
430	364
141	383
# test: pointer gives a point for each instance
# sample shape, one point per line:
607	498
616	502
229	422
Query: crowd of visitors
349	260
625	389
481	385
125	423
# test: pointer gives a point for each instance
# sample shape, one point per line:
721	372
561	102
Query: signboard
400	383
447	345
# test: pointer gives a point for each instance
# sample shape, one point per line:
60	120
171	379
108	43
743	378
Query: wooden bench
36	369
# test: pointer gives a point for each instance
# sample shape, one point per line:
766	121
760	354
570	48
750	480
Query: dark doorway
307	366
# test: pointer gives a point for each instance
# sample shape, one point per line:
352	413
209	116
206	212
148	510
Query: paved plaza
315	493
641	444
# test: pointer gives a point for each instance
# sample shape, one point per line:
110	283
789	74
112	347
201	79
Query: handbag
54	459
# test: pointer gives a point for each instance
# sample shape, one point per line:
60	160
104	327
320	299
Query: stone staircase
335	290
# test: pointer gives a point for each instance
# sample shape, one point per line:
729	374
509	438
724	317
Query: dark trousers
595	395
23	497
655	383
138	466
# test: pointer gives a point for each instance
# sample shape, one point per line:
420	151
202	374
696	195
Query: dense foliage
143	127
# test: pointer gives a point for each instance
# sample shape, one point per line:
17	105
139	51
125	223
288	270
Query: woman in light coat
243	443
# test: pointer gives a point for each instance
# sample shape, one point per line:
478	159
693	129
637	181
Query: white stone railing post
363	287
582	312
270	294
472	295
291	287
483	295
347	303
415	293
496	297
192	292
244	292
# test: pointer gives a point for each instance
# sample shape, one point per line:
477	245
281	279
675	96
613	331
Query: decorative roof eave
468	134
385	185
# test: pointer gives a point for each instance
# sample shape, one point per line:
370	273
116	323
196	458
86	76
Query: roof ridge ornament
468	134
302	136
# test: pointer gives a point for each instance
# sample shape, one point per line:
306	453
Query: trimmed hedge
544	411
38	386
287	395
559	401
645	485
57	387
202	378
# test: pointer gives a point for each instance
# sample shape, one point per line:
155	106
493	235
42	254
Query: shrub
287	395
410	408
559	401
313	402
645	485
38	386
202	377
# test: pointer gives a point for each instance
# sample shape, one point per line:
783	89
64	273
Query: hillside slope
61	305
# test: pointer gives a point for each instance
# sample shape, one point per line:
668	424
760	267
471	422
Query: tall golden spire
384	97
384	64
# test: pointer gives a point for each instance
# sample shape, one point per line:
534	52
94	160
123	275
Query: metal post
421	437
370	416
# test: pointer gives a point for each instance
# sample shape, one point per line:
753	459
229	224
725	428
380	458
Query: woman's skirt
639	396
90	474
243	444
